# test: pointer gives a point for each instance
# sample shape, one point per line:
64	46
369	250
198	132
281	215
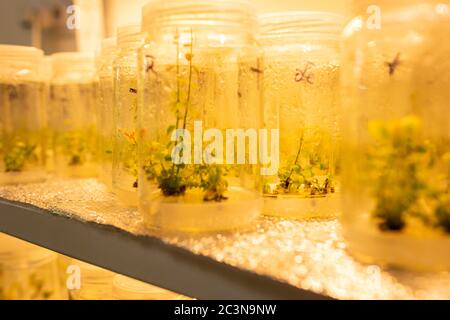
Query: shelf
276	259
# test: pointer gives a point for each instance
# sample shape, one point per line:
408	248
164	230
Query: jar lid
401	11
125	288
361	6
216	14
73	61
20	52
301	23
108	44
108	52
128	33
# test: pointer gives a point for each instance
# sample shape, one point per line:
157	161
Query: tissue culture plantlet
106	91
21	136
125	172
177	179
304	110
73	105
403	176
129	145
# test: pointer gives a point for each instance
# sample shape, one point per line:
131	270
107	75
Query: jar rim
73	56
108	44
107	53
301	23
128	34
18	52
362	5
73	61
411	10
229	14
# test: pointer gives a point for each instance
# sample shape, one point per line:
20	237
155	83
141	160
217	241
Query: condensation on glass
47	71
126	135
22	131
73	104
301	99
199	68
396	144
28	272
105	118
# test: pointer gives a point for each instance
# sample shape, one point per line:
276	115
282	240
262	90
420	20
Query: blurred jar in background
96	283
125	167
125	288
301	99
199	69
47	73
28	272
73	114
22	138
396	145
105	116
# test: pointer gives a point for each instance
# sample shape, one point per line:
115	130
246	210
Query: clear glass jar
125	288
22	138
396	145
105	115
198	72
73	114
27	272
301	100
125	167
96	283
47	73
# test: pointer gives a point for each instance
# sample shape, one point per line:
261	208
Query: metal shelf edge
145	258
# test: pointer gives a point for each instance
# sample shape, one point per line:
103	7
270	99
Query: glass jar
22	138
96	283
27	272
47	73
396	145
125	168
125	288
105	116
73	109
301	100
199	82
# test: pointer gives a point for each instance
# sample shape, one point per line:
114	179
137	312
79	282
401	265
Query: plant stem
177	122
188	98
296	158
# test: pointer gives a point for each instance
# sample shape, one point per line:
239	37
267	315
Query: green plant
175	179
17	157
130	162
77	147
309	174
403	182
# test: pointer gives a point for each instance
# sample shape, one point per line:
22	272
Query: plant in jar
21	138
173	179
73	127
403	177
